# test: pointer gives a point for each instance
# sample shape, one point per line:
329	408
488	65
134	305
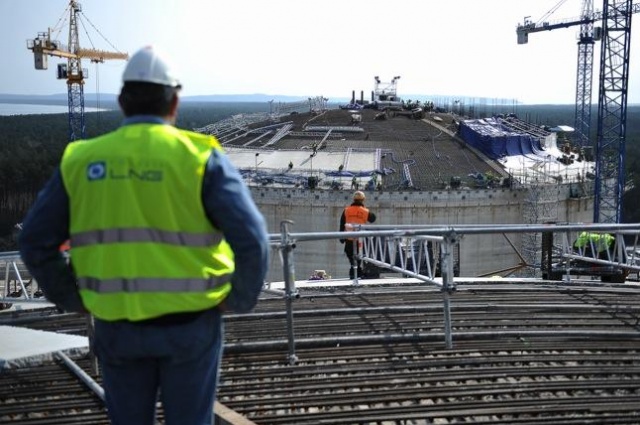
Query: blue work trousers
177	364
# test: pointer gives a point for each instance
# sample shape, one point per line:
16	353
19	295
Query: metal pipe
84	377
276	292
26	301
447	284
13	321
91	336
416	230
314	236
605	262
17	272
409	273
355	256
435	308
287	247
6	280
419	308
506	228
335	341
499	228
9	255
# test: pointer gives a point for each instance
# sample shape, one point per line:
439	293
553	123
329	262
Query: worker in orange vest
354	214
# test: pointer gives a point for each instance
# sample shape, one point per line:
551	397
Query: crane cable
545	17
86	32
82	23
99	33
97	69
58	27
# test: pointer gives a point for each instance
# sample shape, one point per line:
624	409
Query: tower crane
615	34
44	46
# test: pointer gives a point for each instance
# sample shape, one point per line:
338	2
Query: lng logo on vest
98	171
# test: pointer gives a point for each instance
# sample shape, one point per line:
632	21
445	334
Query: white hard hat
148	65
358	196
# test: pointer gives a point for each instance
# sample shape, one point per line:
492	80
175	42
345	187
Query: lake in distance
7	109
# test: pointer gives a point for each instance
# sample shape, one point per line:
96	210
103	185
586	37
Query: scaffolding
540	206
312	104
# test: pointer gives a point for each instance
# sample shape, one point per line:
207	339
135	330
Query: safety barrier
16	283
426	253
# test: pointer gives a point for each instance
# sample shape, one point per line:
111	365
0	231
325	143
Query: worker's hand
342	240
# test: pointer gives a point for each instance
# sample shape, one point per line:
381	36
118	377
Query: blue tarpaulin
490	137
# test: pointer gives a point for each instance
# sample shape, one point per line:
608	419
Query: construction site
416	166
483	308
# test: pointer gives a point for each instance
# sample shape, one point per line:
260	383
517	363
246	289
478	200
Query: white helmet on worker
358	196
148	65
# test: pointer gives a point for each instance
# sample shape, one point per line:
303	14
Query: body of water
32	109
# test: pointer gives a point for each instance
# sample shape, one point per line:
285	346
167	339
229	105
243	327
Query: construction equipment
44	46
385	94
615	34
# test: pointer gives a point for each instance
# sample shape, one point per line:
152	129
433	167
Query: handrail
407	248
427	253
11	260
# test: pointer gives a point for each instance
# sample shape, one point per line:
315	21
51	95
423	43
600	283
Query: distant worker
594	244
158	218
354	214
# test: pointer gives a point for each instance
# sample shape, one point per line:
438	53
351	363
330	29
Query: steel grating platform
523	353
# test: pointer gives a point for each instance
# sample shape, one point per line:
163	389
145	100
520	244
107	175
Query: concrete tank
320	210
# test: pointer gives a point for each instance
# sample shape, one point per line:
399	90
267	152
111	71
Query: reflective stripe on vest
123	235
106	286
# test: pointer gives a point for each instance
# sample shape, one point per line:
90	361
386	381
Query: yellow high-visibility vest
600	241
141	243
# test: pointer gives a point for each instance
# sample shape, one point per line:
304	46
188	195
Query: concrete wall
320	210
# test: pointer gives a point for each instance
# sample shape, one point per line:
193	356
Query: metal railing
16	282
426	254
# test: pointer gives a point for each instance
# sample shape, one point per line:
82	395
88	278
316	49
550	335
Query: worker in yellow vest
157	219
354	214
594	244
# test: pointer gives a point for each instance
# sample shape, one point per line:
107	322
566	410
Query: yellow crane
44	45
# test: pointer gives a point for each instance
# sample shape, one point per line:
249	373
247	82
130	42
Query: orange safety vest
355	214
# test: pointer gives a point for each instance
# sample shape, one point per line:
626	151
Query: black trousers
349	252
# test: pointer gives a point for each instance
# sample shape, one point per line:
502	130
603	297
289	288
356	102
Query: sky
456	48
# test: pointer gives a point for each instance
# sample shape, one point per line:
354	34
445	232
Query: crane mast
75	78
44	46
584	76
612	95
612	111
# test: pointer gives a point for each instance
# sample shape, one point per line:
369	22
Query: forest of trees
32	145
